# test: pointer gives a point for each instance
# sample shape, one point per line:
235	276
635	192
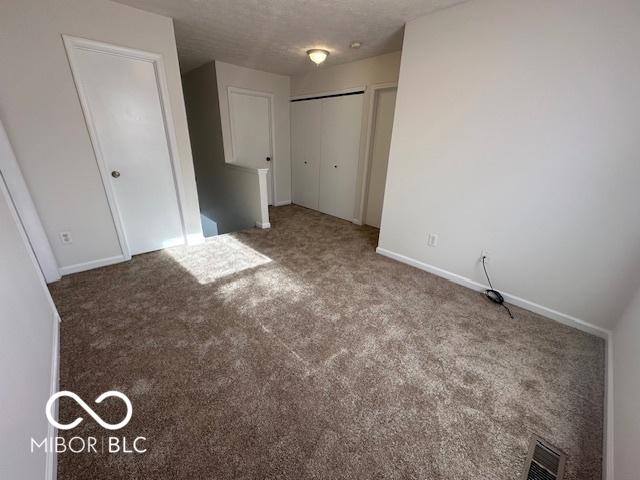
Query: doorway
384	102
124	100
252	142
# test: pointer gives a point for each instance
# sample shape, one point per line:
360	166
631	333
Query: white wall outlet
486	255
65	237
432	239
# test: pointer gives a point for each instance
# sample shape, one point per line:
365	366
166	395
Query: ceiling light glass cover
317	55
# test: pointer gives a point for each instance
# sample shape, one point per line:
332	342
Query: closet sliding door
306	125
341	127
325	147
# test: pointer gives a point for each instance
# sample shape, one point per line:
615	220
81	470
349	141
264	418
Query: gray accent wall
229	197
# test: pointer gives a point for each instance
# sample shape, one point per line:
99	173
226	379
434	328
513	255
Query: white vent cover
544	461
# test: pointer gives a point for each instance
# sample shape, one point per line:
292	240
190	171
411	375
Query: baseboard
608	447
608	457
50	278
512	299
282	204
51	472
356	221
81	267
263	225
195	239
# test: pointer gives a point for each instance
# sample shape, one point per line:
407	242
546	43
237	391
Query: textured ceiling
273	35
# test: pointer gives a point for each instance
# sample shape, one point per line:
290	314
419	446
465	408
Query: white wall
28	328
229	197
626	395
363	73
516	130
233	76
40	109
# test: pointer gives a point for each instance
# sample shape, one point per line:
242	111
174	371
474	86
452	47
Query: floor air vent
544	462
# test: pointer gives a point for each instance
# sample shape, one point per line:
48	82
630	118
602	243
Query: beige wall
229	197
43	118
233	76
626	350
370	71
363	73
516	131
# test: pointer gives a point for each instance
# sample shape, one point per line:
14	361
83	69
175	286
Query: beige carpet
299	353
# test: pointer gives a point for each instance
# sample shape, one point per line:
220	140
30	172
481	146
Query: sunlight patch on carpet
222	257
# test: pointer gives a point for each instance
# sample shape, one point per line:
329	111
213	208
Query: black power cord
492	294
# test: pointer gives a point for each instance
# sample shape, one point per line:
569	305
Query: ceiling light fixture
317	55
355	44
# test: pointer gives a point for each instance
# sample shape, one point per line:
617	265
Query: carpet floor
299	353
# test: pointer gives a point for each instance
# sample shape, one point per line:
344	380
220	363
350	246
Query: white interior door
341	127
251	132
123	107
385	104
306	125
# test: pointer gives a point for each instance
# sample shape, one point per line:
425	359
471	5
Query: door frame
30	239
272	132
20	198
366	172
72	43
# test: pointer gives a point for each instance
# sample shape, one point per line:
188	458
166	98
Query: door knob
115	174
268	159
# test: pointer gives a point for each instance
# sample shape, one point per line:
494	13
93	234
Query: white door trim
364	191
51	472
20	197
272	130
51	456
72	43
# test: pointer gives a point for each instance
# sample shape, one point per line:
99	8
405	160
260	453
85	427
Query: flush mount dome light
317	55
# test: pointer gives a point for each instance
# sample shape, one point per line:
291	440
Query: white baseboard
356	221
608	457
512	299
263	225
195	239
81	267
51	472
283	203
608	449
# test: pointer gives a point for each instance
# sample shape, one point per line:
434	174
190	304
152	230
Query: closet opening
325	151
328	95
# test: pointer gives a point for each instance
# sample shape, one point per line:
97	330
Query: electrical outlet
486	255
432	239
65	237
